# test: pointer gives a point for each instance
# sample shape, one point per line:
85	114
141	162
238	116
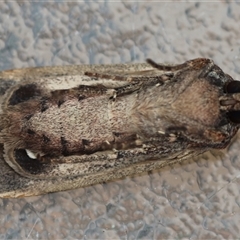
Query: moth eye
234	116
232	87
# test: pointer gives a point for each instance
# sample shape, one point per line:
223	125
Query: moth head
230	102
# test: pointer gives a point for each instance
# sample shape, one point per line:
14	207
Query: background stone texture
195	200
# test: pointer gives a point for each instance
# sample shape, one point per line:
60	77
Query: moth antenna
152	63
162	67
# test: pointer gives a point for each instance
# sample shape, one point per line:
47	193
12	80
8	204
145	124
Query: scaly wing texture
194	200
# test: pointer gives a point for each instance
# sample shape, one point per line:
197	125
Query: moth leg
136	82
130	88
197	63
90	91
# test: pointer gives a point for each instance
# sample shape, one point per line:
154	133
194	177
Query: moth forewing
72	126
14	185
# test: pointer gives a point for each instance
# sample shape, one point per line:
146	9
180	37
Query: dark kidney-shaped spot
33	166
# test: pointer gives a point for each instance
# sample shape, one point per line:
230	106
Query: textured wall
198	199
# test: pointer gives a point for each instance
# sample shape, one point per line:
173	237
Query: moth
71	126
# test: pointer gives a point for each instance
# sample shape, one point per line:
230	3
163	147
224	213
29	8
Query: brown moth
72	126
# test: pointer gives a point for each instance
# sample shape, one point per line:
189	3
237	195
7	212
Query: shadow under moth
67	127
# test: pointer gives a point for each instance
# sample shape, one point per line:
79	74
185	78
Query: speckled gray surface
195	200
